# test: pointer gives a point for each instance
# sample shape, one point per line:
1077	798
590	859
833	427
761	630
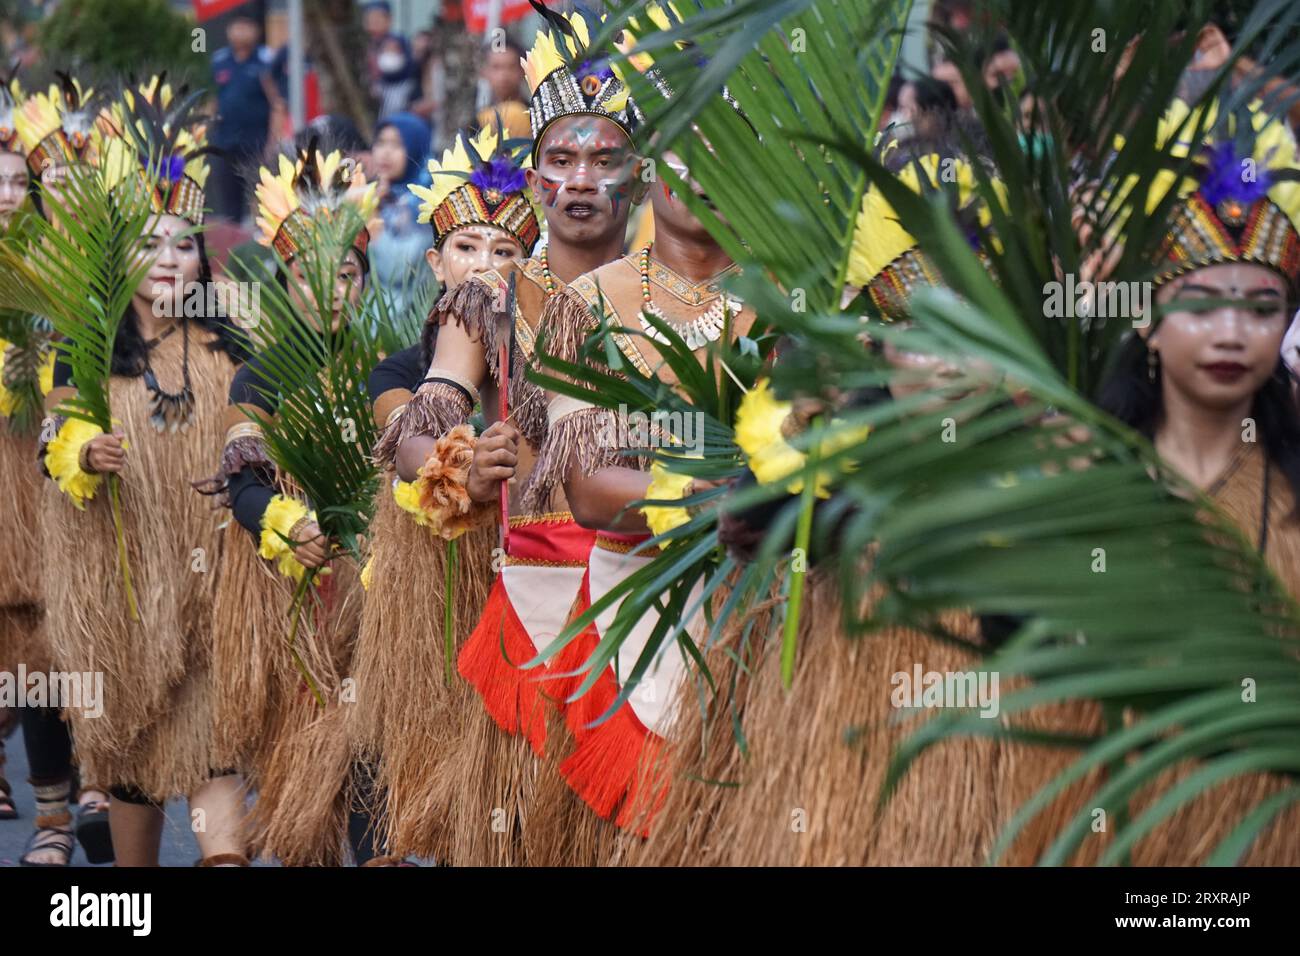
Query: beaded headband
565	80
480	181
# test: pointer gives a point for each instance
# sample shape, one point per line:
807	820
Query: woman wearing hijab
399	155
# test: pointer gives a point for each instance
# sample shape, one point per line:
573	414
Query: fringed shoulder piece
578	434
470	305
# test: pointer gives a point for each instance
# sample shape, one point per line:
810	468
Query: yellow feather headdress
1241	202
59	126
885	258
566	80
313	185
480	181
156	137
11	99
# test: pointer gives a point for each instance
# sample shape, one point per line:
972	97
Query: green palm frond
80	269
314	370
798	70
694	418
395	327
997	521
774	56
29	338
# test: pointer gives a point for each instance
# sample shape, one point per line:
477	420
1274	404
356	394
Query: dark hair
130	353
1129	394
934	95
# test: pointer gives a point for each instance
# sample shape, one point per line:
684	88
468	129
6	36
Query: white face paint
349	284
1220	357
471	251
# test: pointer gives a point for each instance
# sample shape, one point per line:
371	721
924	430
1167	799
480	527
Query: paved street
178	845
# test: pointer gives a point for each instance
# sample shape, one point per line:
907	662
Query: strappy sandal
7	809
388	861
223	859
53	832
92	828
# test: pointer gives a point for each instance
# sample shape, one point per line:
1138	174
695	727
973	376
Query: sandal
53	832
7	809
224	859
92	828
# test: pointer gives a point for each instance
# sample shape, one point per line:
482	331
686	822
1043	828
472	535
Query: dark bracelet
439	380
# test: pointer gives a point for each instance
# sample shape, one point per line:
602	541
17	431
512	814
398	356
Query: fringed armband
63	461
279	522
243	447
437	407
580	435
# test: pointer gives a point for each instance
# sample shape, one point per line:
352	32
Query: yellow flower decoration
281	515
758	433
772	459
63	461
407	496
665	485
8	401
367	574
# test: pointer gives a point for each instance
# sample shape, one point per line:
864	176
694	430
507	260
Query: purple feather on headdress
598	68
499	174
173	170
1224	178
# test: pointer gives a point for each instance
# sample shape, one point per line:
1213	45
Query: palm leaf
81	269
315	377
1186	605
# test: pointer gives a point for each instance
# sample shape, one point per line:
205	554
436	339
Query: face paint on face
550	190
1218	357
471	251
584	178
619	189
172	251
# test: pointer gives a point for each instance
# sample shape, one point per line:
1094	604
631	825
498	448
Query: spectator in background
449	95
927	106
399	156
249	110
946	72
393	74
377	21
504	75
398	77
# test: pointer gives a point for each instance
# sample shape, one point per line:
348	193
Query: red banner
476	13
207	9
